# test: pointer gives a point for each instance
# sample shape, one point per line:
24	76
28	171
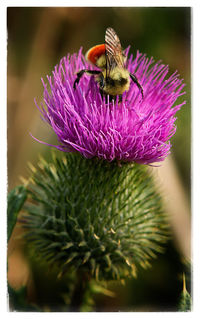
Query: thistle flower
133	129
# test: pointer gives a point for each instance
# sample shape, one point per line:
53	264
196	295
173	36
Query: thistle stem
79	291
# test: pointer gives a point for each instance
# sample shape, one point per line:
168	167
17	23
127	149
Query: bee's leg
80	73
120	98
101	81
135	80
102	93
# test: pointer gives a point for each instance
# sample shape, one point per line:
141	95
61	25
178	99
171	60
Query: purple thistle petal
134	130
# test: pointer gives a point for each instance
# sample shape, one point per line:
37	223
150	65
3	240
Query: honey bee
114	78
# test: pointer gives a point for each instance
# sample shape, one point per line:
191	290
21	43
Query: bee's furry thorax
116	82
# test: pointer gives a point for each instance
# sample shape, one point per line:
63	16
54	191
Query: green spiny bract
185	302
98	217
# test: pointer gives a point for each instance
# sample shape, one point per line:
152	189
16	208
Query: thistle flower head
94	216
134	129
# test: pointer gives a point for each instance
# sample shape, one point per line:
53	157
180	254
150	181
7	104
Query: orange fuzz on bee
95	52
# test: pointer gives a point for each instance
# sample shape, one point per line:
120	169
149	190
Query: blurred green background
37	39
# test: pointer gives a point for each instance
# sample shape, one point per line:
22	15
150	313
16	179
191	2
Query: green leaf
16	199
18	299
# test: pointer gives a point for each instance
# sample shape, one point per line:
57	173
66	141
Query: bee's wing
114	56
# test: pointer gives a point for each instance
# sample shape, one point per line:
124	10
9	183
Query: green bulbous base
101	218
